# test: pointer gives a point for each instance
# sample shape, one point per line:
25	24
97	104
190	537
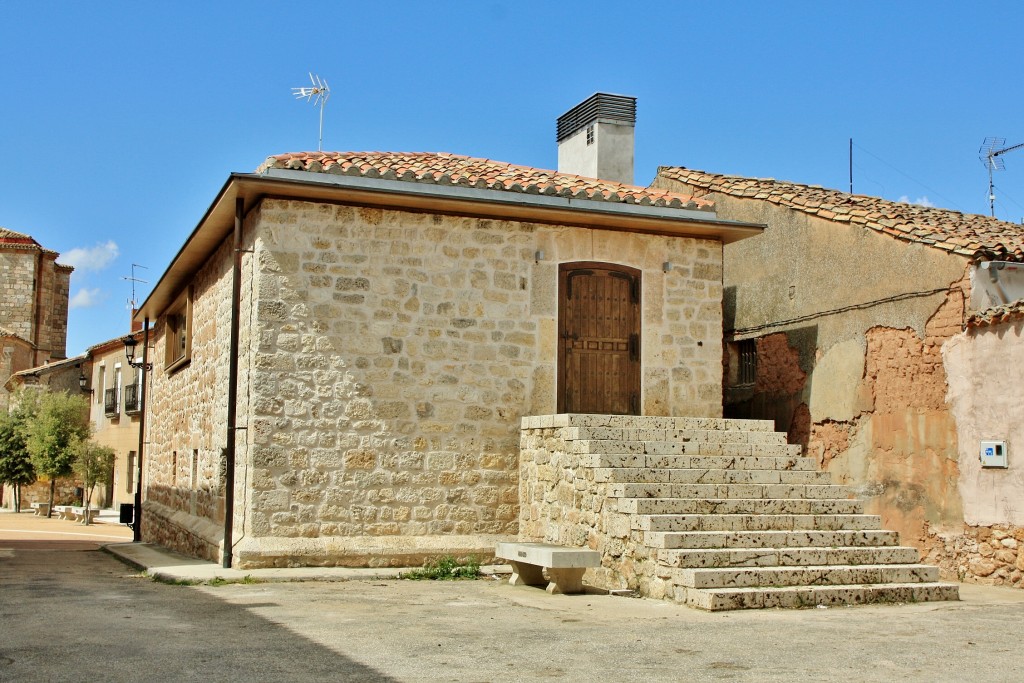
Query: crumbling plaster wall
864	317
985	366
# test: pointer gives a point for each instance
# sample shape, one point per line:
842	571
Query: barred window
748	361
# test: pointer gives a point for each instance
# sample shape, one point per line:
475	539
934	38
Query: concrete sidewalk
167	565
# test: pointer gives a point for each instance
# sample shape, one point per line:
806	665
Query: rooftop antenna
317	93
990	154
133	302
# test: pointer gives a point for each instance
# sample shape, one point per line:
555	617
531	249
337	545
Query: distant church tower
33	306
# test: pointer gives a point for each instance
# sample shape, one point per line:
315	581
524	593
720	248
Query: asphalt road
69	612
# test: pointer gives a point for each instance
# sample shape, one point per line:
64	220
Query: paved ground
71	613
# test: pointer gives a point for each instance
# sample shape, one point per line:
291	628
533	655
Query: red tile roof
16	240
996	315
969	235
454	169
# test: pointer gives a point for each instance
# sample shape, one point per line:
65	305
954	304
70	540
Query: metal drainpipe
144	400
229	451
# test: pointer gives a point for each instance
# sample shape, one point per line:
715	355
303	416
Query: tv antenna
133	303
317	93
990	154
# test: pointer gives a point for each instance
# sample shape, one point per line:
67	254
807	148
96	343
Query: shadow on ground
72	613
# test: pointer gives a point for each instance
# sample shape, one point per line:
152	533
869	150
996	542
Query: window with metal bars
748	361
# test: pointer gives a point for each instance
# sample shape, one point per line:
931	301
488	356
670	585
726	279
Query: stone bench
64	511
78	514
564	566
40	509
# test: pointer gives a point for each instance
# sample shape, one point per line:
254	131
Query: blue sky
120	121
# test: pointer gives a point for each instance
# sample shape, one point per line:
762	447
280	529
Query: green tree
95	465
60	422
16	467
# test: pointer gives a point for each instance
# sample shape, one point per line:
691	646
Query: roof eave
218	221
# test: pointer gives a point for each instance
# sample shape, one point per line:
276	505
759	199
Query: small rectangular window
178	333
748	361
590	135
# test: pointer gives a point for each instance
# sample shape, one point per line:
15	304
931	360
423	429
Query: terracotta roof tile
998	314
10	238
454	169
970	235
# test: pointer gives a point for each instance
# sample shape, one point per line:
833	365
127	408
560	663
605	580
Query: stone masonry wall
564	502
393	355
186	423
17	296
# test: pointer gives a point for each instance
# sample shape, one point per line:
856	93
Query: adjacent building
844	322
115	403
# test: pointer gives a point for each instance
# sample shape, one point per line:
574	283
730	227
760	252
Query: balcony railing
132	404
110	407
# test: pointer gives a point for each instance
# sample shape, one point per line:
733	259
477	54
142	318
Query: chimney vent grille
619	108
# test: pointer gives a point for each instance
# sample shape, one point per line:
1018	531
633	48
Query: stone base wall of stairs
565	500
714	513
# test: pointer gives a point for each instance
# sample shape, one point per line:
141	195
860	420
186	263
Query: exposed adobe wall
867	316
387	360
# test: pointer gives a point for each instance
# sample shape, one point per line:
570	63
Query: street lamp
83	383
129	350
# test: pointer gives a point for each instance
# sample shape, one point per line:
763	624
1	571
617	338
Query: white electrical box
993	454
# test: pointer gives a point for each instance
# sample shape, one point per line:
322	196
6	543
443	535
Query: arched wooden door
599	339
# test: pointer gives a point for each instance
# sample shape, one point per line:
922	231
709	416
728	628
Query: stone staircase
735	518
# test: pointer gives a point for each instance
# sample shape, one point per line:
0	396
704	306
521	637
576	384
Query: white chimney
595	138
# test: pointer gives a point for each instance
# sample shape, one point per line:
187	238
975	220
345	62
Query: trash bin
127	513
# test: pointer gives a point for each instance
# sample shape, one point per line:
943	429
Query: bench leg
565	581
526	574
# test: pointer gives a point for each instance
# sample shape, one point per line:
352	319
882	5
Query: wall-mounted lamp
666	266
129	350
83	383
538	256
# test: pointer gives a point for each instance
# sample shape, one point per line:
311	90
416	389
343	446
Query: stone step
754	522
811	596
669	490
786	557
834	575
644	422
722	462
673	435
770	539
712	476
616	447
738	506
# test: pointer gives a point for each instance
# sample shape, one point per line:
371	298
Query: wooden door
599	339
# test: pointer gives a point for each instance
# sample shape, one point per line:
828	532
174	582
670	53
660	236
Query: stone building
33	306
844	323
396	315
